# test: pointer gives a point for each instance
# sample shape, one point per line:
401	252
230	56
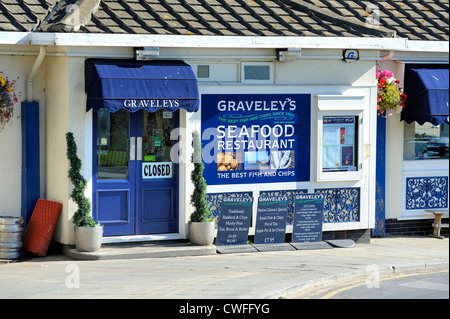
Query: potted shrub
88	234
201	228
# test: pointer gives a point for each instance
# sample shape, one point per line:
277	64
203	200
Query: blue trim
30	159
380	179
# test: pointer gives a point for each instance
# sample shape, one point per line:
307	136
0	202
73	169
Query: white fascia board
14	37
193	41
197	41
428	46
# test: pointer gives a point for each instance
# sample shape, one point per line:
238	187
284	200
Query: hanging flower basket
390	97
8	98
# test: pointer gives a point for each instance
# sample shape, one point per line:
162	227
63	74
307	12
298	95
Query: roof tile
421	20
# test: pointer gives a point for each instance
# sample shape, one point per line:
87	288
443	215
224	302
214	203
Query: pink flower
387	74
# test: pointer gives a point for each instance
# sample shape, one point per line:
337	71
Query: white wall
65	112
327	75
397	170
13	67
63	109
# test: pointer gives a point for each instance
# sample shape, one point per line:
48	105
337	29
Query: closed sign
157	170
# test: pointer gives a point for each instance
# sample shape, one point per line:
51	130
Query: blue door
134	179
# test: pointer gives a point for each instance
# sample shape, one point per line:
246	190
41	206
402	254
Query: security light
289	54
147	53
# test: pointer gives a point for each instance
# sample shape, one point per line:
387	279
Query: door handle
132	148
139	148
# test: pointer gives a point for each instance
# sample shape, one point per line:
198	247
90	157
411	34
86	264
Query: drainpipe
31	179
34	69
388	56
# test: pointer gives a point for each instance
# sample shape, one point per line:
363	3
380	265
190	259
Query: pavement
252	275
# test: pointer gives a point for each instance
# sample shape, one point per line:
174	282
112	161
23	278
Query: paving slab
235	249
261	275
312	245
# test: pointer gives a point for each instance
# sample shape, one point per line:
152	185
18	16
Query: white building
304	72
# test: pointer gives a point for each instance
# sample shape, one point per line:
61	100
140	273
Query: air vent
203	71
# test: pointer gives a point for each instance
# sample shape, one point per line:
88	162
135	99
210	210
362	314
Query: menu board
271	220
308	218
339	143
234	221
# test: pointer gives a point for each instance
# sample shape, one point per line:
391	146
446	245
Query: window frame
340	106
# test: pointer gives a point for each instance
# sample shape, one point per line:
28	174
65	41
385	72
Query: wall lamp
147	53
289	54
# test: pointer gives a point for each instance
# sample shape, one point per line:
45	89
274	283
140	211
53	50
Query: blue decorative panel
426	192
215	202
341	204
157	205
290	194
113	206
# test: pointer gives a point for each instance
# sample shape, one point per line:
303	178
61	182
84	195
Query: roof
413	19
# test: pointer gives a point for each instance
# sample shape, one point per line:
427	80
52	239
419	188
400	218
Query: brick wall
420	227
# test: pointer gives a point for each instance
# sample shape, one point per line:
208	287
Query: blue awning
427	95
130	85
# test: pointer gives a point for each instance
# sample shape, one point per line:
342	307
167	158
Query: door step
141	250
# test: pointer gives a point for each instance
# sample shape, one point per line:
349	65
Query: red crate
40	229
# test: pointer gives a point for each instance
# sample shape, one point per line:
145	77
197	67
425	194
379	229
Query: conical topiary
82	217
201	211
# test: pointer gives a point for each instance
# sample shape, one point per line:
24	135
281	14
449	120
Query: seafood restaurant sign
256	138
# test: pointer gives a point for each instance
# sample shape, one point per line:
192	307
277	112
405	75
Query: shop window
425	142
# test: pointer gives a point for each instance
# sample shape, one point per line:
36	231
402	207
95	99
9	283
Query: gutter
34	69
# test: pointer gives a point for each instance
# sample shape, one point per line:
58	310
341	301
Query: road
412	285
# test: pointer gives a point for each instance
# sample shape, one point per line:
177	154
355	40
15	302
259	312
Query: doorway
135	182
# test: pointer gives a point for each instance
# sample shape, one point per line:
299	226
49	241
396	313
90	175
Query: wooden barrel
11	229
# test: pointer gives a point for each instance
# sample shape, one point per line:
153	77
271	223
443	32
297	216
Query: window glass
339	143
156	136
425	142
112	144
257	72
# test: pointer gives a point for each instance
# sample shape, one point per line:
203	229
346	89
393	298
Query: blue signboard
234	221
308	218
271	219
256	138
